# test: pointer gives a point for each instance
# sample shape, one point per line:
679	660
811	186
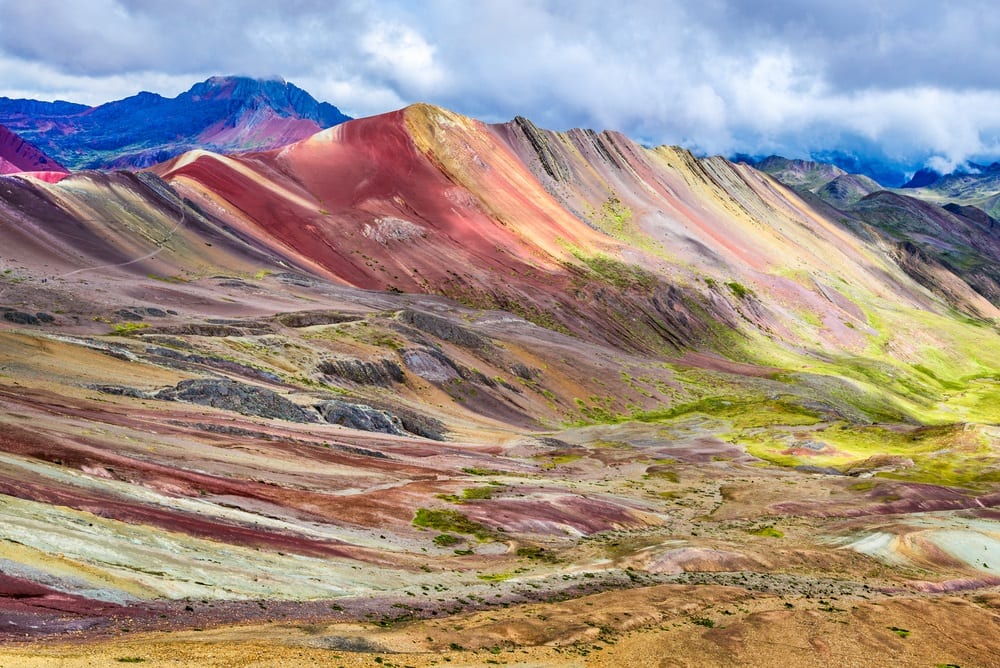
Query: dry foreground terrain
421	391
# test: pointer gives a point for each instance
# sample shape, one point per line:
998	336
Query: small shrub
471	494
126	328
537	553
476	470
738	289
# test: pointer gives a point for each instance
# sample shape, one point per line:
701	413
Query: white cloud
719	75
401	55
35	80
355	96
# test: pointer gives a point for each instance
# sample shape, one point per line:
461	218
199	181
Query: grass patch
617	445
742	412
472	494
902	633
126	328
477	470
498	577
451	521
739	290
167	279
662	474
536	553
769	532
622	275
447	540
552	461
949	455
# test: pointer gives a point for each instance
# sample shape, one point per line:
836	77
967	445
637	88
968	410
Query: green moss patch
126	328
954	455
447	540
472	494
451	521
742	412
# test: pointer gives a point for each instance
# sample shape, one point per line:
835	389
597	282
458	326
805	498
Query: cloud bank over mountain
912	85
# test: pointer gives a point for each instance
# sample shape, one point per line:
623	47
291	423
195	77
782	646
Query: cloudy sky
916	80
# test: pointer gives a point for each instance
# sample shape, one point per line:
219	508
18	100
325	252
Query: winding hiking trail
147	256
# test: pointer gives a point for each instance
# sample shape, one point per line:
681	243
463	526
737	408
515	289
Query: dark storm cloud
717	75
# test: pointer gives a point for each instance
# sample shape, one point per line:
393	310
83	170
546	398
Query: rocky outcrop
24	318
360	416
389	229
413	421
233	396
179	360
445	329
121	391
141	312
549	160
311	318
211	329
383	372
431	365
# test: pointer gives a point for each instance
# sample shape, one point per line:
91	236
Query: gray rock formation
445	330
232	396
360	416
383	372
431	365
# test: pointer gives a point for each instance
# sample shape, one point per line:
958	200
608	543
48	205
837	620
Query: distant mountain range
223	114
885	172
972	184
946	221
829	182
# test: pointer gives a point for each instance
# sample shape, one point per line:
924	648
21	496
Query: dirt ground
667	625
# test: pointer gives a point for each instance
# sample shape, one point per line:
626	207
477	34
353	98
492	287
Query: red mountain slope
346	196
17	155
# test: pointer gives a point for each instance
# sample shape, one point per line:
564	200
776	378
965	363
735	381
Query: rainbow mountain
417	365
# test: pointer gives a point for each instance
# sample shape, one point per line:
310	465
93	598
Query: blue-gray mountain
223	114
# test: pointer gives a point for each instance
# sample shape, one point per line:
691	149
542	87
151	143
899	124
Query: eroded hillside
418	367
